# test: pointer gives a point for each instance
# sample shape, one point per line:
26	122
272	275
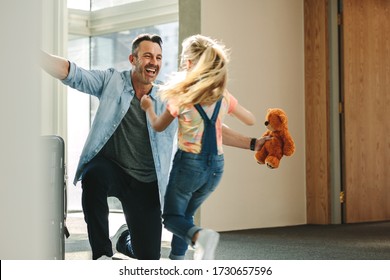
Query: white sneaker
104	258
206	244
115	237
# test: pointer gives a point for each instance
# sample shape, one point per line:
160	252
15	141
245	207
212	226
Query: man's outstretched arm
56	66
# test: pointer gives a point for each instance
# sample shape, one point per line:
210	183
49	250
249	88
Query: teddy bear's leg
260	158
272	162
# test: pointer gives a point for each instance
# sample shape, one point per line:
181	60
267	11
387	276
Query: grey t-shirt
132	151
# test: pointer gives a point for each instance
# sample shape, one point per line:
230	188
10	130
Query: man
123	156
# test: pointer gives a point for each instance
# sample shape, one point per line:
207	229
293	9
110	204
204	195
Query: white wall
266	70
23	216
28	109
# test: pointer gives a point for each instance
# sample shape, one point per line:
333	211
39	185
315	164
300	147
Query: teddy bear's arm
267	133
289	145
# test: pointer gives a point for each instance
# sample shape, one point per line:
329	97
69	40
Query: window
84	5
107	44
102	4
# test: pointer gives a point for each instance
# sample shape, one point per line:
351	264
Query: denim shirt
115	92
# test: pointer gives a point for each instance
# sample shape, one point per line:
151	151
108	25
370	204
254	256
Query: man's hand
56	66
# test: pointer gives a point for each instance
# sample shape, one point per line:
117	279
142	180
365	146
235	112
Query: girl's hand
260	142
146	102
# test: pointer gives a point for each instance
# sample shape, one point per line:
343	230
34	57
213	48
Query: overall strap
209	138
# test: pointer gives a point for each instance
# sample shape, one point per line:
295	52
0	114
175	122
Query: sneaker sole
211	246
115	237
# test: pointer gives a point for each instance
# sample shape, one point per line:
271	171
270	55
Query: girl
198	97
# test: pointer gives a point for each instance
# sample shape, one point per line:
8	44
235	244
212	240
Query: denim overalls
193	178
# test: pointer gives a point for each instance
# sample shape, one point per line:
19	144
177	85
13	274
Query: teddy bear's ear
283	118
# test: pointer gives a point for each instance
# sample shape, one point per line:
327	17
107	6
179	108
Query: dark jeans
140	202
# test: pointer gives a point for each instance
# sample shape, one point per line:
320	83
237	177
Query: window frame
123	17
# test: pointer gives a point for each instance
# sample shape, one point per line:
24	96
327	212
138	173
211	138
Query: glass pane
84	5
78	121
101	4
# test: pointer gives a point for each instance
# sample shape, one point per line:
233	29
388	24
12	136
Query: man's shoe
114	239
104	258
206	244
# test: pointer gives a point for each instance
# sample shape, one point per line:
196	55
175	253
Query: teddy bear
281	142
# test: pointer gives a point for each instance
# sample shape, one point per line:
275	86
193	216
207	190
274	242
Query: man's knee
95	172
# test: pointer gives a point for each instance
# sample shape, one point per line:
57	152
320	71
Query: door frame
322	113
336	157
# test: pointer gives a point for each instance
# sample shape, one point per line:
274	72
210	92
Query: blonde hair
205	81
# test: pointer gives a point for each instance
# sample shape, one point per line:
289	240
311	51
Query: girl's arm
232	138
159	123
243	115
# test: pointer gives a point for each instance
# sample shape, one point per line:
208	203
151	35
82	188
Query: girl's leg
206	240
178	248
192	180
183	180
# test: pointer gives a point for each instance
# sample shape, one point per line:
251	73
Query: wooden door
318	193
366	118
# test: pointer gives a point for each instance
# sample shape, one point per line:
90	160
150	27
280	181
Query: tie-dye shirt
191	125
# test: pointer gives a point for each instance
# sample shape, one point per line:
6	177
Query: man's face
146	62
